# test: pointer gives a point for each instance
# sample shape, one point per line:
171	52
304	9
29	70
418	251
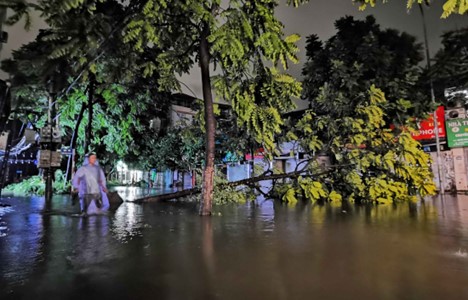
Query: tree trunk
73	141
210	125
89	129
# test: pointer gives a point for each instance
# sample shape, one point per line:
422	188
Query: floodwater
264	250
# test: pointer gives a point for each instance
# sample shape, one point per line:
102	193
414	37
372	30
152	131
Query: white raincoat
90	182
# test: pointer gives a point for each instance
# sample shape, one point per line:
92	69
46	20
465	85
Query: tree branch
249	182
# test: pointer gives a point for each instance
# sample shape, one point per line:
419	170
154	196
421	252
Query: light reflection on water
3	228
131	193
262	250
128	222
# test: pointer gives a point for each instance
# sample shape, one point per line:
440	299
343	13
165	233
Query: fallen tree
167	197
249	182
371	162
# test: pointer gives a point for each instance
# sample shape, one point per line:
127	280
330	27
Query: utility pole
49	158
441	174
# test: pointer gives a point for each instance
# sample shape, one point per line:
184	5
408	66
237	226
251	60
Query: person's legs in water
98	203
98	200
84	205
74	197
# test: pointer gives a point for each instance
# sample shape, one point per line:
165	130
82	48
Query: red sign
259	153
426	130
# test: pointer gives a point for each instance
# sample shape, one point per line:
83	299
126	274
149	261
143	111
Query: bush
35	185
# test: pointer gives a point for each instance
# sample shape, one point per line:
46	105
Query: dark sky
318	16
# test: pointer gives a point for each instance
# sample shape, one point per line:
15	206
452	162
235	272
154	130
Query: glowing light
121	166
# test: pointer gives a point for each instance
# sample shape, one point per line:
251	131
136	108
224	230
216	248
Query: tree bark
74	139
89	129
210	125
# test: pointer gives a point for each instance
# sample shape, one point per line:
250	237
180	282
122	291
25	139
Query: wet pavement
264	250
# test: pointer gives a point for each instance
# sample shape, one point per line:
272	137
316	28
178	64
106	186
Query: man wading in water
90	183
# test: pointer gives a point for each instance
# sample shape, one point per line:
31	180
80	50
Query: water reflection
131	193
262	250
3	228
19	247
453	225
128	221
90	247
209	258
262	214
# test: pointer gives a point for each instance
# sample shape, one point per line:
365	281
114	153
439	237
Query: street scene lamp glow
121	166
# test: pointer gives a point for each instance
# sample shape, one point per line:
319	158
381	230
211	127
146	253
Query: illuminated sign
426	130
457	132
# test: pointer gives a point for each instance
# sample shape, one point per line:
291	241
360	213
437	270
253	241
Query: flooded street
253	251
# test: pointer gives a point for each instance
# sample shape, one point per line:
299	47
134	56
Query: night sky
318	16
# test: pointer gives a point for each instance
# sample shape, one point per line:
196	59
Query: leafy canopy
449	7
246	46
450	69
349	117
84	42
372	163
358	56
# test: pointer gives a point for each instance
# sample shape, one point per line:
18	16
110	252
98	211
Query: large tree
360	55
369	161
450	69
84	51
121	111
349	117
243	40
